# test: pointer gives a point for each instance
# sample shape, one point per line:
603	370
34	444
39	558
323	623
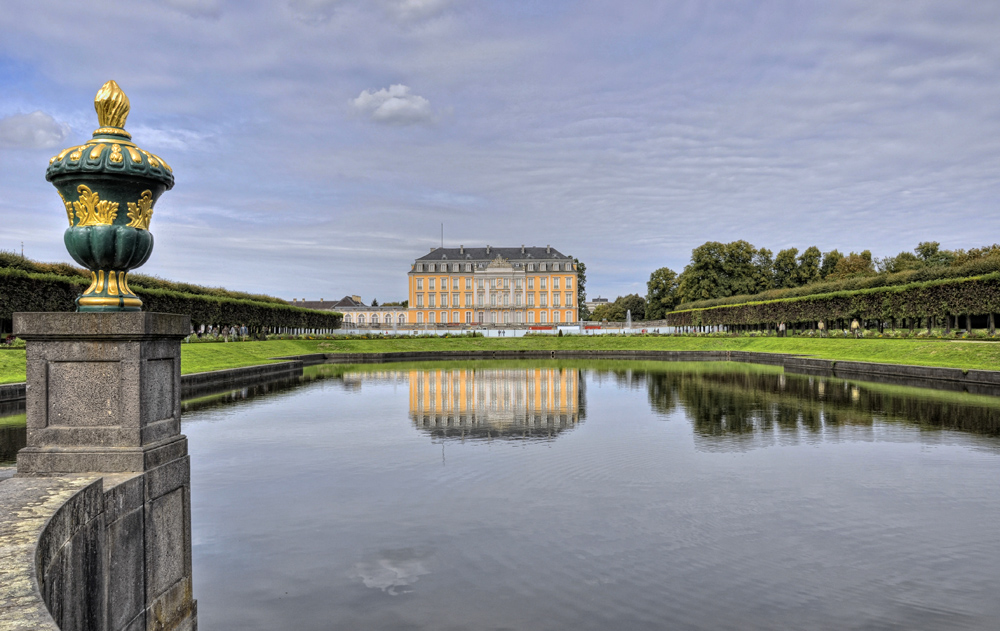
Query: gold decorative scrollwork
135	155
95	153
69	208
91	210
116	154
76	154
140	213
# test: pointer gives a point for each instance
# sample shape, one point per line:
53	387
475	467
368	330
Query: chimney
461	249
294	300
356	299
432	248
548	249
522	248
487	249
321	300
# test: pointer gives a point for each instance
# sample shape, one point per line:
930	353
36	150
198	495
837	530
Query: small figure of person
781	329
822	328
855	328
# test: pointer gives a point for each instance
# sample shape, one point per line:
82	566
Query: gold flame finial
111	105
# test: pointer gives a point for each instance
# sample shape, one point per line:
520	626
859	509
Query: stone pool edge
291	366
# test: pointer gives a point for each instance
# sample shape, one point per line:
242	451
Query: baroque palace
492	286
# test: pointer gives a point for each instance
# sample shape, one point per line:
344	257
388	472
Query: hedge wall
23	291
977	267
978	295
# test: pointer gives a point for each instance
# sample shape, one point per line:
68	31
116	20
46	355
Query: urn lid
111	150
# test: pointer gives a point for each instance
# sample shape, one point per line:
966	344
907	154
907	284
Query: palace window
480	283
543	280
493	300
468	317
430	283
531	317
555	299
531	300
420	300
545	317
444	282
569	282
531	283
517	300
506	300
544	302
431	316
569	316
468	267
468	300
444	300
531	267
569	299
401	319
468	283
555	316
431	267
543	267
555	283
420	283
432	298
454	317
506	283
444	317
519	283
420	318
454	300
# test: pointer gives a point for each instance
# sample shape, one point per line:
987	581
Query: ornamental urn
109	186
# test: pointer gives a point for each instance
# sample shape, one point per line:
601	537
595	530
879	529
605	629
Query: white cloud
394	106
196	8
36	130
419	9
314	10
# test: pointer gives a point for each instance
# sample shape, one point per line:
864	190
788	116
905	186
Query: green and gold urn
109	186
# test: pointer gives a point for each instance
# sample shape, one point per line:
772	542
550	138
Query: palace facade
522	286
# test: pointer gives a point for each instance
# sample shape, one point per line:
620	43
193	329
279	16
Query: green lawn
956	354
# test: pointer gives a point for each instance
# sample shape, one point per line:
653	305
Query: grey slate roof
346	301
479	254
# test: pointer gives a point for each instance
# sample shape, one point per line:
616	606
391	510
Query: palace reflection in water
496	403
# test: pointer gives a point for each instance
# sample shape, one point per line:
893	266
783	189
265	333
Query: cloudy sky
319	145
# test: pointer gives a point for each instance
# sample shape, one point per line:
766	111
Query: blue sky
318	145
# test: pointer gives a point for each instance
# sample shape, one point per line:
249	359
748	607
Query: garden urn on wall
109	186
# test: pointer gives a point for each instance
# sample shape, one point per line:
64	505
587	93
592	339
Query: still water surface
594	496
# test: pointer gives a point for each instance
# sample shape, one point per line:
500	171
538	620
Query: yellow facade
448	288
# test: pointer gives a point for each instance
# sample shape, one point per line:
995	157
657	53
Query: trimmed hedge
977	267
24	291
135	280
978	295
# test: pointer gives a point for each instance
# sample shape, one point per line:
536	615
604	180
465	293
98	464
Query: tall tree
661	293
830	260
786	268
581	289
763	269
855	264
809	262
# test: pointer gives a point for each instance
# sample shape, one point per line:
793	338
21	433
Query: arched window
347	318
555	316
388	318
420	318
401	319
361	318
569	316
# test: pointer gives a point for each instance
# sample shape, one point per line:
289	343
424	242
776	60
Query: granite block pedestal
103	398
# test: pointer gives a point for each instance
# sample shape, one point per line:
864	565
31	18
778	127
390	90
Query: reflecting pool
593	495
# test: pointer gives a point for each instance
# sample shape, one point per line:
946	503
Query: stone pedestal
103	397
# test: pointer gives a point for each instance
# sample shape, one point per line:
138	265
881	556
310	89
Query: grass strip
919	352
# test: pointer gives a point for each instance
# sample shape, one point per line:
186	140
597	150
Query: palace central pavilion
493	286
